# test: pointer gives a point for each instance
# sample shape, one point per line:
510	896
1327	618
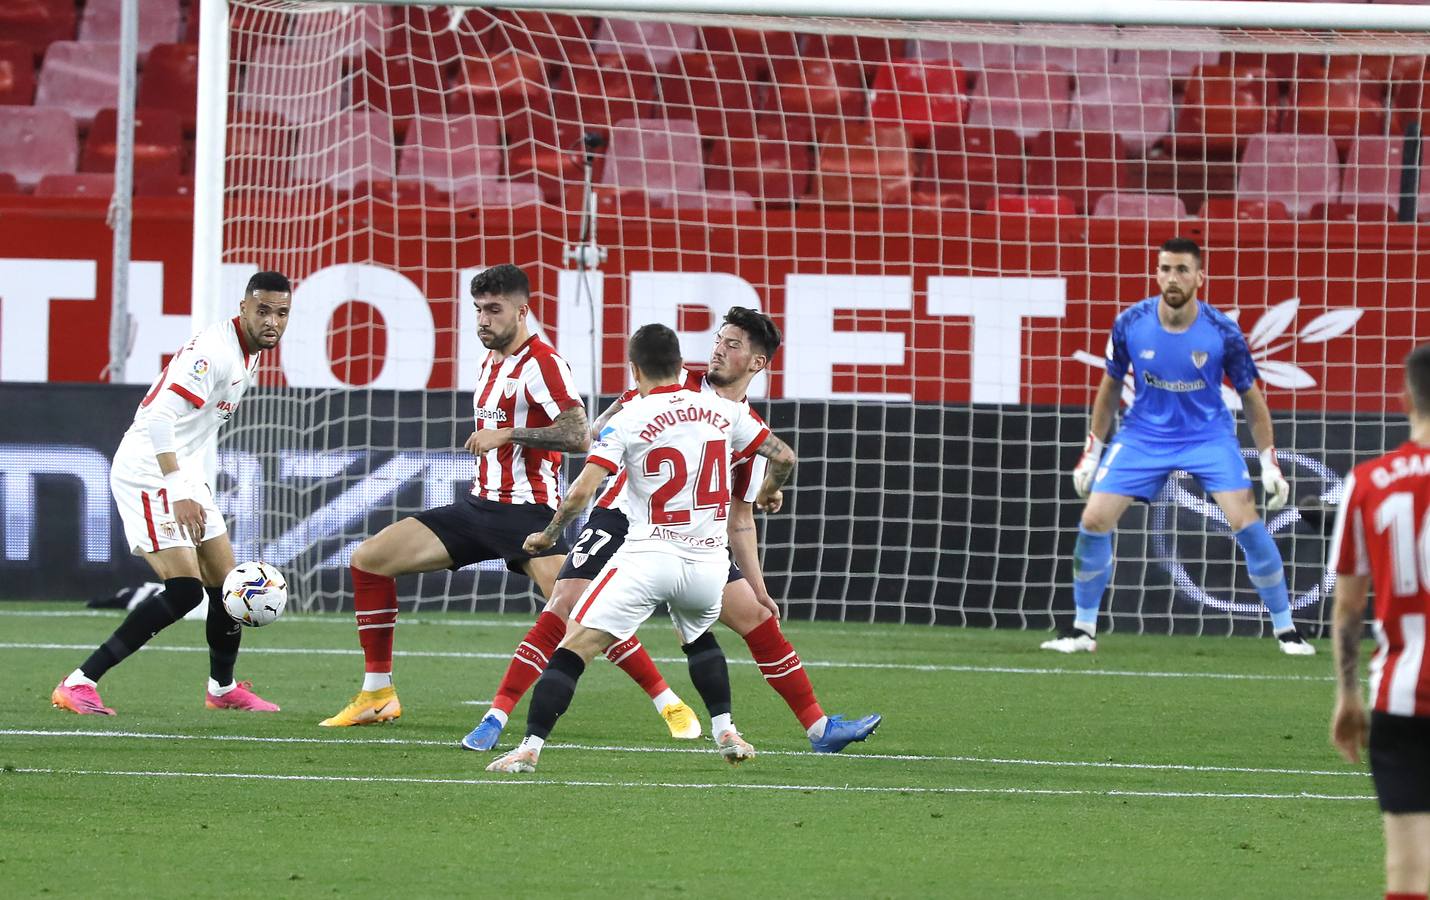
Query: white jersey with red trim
676	446
528	388
212	372
1383	530
745	476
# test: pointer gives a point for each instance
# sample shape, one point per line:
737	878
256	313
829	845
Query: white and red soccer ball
254	594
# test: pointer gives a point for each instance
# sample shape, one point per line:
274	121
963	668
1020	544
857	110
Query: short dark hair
504	280
1183	245
655	350
763	332
1417	378
276	282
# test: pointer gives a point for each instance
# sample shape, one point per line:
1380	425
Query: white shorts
148	518
638	579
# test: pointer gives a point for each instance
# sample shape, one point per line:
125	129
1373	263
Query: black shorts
1400	762
475	529
603	535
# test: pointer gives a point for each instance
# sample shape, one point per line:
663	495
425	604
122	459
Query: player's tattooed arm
578	497
781	460
568	433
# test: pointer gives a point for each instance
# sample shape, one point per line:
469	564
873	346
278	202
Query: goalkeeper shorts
1131	467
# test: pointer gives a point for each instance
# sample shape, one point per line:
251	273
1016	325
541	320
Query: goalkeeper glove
1086	466
1272	481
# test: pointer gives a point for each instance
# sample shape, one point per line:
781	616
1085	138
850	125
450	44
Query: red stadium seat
17	74
159	23
975	162
868	52
446	153
710	88
1352	212
1137	108
405	194
657	156
1031	205
1341	109
864	165
1175	63
496	192
1132	205
349	30
171	81
499	85
35	142
158	143
918	95
79	78
354	147
98	185
1025	102
973	57
1298	171
613	87
1040	57
269	85
399	85
773	171
554	37
8	184
817	92
37	23
1244	210
757	51
1079	165
1222	109
658	42
1372	173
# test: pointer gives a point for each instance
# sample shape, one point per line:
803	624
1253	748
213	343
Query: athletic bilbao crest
509	389
1199	358
579	559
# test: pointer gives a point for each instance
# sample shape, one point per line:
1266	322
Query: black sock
553	692
224	635
151	616
709	673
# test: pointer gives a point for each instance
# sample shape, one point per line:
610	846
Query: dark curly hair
763	332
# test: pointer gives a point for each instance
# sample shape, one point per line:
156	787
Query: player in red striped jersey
744	346
1382	543
526	413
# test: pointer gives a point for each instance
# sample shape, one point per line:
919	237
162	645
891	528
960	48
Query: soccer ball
254	593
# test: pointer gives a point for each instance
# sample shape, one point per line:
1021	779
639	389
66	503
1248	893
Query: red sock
375	599
529	660
782	669
633	659
1404	895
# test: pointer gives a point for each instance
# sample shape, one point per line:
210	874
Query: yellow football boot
368	708
683	722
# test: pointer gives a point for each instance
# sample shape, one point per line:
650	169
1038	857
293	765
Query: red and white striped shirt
745	475
527	389
1383	530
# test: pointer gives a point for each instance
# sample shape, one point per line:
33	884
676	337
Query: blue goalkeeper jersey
1178	376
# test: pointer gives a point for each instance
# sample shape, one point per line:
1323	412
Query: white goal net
944	218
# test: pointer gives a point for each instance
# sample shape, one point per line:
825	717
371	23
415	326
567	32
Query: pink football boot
81	699
241	697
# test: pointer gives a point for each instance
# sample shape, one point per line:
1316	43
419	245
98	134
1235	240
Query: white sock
1089	627
816	731
376	681
1290	630
721	723
533	743
218	690
498	715
664	699
77	678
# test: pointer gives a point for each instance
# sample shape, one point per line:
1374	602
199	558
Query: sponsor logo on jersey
491	415
1178	387
201	368
1148	354
1199	358
169	528
225	409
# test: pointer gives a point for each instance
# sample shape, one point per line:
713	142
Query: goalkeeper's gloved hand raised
1272	481
1086	466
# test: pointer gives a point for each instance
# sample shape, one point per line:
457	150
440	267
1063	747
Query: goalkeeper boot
1292	644
733	748
81	698
515	762
240	697
840	732
367	708
484	736
1071	640
681	719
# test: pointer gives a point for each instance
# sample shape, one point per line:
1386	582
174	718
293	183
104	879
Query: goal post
942	206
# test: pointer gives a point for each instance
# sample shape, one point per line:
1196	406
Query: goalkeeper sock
529	661
633	659
1092	568
153	614
224	636
553	693
375	601
779	664
1268	573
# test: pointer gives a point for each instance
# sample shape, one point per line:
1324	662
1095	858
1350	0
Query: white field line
695	786
620	748
809	664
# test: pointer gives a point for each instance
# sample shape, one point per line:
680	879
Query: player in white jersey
165	497
676	447
526	413
745	343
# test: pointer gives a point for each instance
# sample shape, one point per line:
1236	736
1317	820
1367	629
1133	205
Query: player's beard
718	379
492	340
1175	299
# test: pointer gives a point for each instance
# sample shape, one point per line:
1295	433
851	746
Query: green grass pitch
1163	767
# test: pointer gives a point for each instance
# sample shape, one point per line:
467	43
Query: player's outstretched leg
528	664
549	701
711	677
1092	569
1268	575
630	656
77	692
375	601
224	636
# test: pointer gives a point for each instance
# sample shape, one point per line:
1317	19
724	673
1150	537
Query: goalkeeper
1179	349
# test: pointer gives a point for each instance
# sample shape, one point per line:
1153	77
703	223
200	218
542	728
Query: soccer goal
944	212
